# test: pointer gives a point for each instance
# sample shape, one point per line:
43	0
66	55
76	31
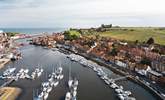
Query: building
142	70
121	64
159	64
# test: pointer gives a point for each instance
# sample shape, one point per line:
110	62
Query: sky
81	13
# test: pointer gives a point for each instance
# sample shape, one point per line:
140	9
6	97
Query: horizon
63	14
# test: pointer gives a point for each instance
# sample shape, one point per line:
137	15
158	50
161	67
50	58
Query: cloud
82	13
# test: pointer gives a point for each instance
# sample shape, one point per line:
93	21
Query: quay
120	72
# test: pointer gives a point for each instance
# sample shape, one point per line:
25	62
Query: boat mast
70	72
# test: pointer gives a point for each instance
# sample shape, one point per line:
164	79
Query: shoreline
120	72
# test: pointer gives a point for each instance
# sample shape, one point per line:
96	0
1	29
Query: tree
150	41
146	61
114	52
136	42
71	35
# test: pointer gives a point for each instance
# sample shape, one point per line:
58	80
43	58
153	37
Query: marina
95	84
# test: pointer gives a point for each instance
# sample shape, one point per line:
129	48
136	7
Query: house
142	70
121	64
159	64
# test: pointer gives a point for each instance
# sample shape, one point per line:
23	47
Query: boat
37	73
46	95
121	97
41	95
107	82
12	57
68	96
9	71
127	92
55	83
70	81
49	89
74	93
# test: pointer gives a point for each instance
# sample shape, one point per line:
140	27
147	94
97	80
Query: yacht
70	81
55	83
68	96
12	57
46	95
49	89
9	72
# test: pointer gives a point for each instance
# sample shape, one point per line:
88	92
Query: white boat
9	71
121	97
61	77
70	81
74	93
107	82
127	92
75	82
39	74
119	91
68	96
56	83
45	96
26	71
33	75
41	95
74	88
49	89
12	56
113	85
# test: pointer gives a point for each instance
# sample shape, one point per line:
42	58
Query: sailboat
70	81
68	96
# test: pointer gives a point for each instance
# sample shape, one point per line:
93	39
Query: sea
33	30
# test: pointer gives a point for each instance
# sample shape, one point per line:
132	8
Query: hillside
133	34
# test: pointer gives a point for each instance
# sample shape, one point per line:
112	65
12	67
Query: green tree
114	52
150	41
71	34
146	61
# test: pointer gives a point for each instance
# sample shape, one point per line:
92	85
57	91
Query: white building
121	64
143	71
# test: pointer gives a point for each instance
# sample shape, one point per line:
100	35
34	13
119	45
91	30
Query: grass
133	34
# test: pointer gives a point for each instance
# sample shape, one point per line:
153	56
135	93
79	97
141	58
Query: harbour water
90	87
